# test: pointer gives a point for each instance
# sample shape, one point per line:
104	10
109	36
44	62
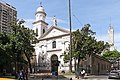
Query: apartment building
8	14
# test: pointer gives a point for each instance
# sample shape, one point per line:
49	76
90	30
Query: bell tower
111	37
39	25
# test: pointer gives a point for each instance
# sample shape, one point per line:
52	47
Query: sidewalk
63	77
71	76
50	77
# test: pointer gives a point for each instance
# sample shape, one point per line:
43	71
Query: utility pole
69	12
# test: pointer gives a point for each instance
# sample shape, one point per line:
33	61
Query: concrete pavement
67	77
50	77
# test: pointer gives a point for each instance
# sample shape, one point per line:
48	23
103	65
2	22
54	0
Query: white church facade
53	42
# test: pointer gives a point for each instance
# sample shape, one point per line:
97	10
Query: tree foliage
4	49
17	45
111	55
84	43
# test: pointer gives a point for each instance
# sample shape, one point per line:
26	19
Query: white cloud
28	23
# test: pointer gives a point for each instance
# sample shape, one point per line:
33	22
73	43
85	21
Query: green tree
84	43
4	48
111	55
17	45
23	41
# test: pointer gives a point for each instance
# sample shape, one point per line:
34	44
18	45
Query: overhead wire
77	20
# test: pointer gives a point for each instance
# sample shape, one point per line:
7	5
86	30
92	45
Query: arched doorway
54	63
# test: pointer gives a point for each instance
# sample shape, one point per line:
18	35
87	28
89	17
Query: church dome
40	9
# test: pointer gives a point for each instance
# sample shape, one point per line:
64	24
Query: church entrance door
54	64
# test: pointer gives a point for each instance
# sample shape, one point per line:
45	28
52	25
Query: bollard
70	78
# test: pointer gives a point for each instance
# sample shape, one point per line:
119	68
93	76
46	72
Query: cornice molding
40	21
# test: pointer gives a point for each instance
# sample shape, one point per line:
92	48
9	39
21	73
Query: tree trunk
75	64
77	71
29	62
70	66
78	64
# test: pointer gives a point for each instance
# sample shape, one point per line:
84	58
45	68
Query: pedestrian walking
26	74
21	75
77	73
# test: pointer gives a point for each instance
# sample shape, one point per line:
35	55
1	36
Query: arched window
54	44
36	31
43	31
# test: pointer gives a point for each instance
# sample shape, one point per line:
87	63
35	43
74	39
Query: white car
114	74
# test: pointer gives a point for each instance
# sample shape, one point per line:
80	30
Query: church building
53	43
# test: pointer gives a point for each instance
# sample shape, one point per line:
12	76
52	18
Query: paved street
67	77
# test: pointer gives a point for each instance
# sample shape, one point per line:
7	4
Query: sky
98	13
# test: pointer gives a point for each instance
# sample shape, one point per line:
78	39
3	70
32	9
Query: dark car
114	75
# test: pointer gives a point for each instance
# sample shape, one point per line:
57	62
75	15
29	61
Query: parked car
114	74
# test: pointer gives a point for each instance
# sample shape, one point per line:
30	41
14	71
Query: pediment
54	31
